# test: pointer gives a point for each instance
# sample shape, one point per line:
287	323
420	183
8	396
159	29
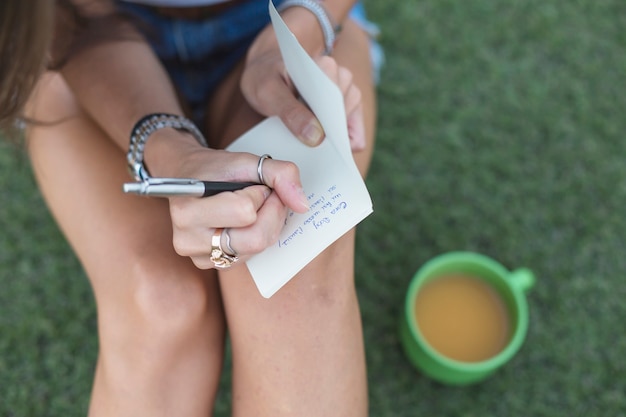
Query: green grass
500	131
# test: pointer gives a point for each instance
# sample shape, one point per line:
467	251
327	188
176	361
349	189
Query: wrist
145	128
305	27
165	149
325	22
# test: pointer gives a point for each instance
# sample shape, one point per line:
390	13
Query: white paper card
336	192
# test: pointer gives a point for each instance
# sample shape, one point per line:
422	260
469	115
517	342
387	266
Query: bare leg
301	352
160	319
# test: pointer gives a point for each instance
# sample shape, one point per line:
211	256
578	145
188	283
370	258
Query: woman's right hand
254	216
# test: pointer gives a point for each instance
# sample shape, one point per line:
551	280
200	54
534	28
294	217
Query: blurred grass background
501	131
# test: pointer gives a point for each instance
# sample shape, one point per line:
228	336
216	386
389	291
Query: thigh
300	351
148	298
80	173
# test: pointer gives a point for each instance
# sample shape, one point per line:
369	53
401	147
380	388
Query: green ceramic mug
510	285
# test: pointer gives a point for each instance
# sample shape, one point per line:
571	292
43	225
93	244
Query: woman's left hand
269	90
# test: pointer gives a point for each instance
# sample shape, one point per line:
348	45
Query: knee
52	100
172	298
165	327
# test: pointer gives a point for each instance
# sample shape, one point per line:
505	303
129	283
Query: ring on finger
231	251
220	259
259	168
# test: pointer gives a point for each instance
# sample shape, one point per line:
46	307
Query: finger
344	79
202	261
250	240
351	93
263	233
356	129
277	96
284	178
227	209
329	66
193	219
298	118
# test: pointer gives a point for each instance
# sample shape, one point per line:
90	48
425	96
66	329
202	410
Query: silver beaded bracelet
146	126
328	29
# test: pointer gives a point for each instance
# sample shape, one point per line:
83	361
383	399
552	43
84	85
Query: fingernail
303	200
312	134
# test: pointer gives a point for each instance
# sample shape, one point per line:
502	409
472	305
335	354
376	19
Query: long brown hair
26	28
36	35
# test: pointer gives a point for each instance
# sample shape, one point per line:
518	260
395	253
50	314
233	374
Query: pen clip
169	181
144	186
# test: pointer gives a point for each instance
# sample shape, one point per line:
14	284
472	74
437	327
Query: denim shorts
198	54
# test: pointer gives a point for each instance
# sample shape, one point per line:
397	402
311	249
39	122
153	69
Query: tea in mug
462	317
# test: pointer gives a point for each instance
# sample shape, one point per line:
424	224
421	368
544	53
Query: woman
163	306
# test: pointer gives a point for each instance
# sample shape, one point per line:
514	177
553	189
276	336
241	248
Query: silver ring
220	259
259	168
230	249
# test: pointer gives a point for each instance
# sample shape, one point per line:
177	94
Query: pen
170	187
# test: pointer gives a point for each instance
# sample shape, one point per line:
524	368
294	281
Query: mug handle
523	279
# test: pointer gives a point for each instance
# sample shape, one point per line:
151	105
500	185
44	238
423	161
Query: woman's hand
254	216
268	89
342	76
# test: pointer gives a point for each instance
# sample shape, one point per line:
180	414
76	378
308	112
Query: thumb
300	120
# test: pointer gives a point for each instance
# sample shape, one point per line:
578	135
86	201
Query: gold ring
259	168
220	259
